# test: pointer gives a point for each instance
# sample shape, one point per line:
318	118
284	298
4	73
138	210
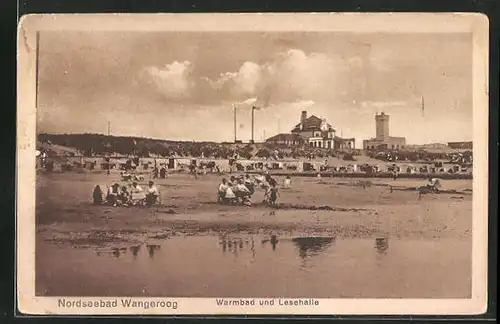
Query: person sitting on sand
152	194
221	192
240	190
230	196
136	187
249	184
125	196
125	175
287	183
137	194
113	194
97	195
434	184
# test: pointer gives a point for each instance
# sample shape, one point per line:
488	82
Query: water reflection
152	249
302	266
233	245
252	248
135	250
117	252
382	245
274	241
311	246
307	246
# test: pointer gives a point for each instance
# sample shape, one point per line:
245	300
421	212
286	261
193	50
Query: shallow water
254	266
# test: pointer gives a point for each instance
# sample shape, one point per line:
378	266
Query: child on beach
287	183
273	195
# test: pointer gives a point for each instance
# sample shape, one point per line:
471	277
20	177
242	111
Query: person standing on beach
108	164
273	195
268	185
394	173
221	191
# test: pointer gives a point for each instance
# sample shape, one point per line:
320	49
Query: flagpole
253	123
37	66
234	110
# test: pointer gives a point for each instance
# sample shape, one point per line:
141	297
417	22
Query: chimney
303	117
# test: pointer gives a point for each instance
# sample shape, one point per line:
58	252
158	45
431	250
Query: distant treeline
98	145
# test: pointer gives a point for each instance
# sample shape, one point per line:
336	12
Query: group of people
132	195
240	190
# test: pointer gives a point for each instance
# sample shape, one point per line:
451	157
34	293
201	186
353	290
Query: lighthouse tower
382	126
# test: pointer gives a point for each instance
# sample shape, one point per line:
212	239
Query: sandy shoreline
329	207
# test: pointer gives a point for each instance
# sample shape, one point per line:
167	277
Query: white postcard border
477	24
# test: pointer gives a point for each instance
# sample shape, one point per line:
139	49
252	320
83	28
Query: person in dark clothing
163	173
273	195
113	194
97	195
125	196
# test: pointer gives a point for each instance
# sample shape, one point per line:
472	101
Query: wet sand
69	227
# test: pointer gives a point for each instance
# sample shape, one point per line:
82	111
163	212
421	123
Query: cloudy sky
182	85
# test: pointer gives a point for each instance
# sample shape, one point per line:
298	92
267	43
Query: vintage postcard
252	164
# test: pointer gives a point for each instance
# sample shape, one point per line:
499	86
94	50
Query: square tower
382	126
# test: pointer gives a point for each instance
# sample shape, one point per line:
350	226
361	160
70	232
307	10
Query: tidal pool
258	266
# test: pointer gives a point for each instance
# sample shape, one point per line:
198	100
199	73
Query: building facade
314	132
382	140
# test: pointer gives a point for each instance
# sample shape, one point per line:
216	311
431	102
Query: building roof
381	140
313	123
340	139
284	137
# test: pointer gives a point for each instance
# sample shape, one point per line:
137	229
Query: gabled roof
284	137
313	123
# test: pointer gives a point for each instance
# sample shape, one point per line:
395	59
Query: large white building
313	132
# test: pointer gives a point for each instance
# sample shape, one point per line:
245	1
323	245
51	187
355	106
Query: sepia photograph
255	164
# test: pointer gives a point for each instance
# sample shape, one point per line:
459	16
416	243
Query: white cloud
172	80
292	75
